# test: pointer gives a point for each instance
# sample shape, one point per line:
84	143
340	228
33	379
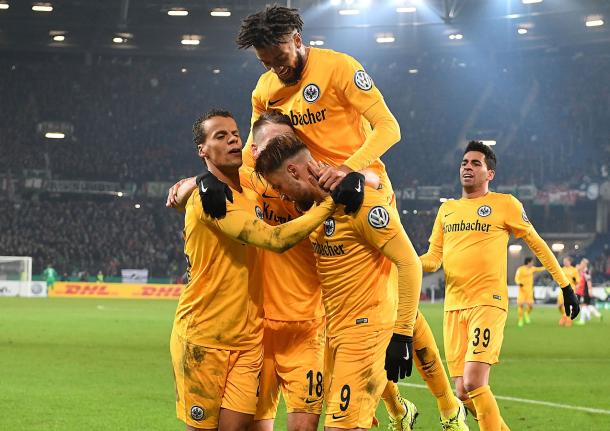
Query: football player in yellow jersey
354	260
574	276
333	104
217	334
524	277
469	239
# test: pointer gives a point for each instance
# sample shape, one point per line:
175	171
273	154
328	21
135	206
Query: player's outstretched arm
242	226
546	256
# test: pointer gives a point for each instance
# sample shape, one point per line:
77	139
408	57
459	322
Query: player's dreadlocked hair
268	27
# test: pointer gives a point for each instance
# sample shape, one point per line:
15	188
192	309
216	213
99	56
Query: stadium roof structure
144	27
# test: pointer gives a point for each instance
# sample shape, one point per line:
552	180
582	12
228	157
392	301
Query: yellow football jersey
357	282
470	238
326	108
572	273
291	285
525	276
221	306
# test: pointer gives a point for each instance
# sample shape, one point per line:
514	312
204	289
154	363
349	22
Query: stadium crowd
132	122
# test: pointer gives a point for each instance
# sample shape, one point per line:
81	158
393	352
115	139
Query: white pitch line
526	401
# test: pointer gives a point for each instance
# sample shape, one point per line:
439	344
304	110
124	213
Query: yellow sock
391	399
470	406
430	366
488	412
520	312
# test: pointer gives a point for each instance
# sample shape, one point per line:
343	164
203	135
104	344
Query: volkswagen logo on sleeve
378	217
362	80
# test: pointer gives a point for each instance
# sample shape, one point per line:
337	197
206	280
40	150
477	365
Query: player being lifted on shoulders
333	104
469	239
524	277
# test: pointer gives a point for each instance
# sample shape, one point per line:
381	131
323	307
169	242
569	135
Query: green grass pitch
76	364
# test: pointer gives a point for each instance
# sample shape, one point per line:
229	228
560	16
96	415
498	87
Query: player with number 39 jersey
469	239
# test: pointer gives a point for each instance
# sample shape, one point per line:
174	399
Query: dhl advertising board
116	290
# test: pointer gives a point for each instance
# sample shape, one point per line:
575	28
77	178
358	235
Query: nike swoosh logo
338	417
273	102
308	401
448	214
476	353
359	188
204	189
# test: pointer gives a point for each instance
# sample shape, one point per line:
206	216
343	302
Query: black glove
350	192
213	193
570	302
399	357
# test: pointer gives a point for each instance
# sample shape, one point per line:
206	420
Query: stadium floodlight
488	142
317	42
120	194
42	7
54	135
220	12
184	70
177	12
406	9
557	246
413	71
216	71
191	39
531	1
118	39
349	12
385	38
594	21
522	30
59	38
515	248
137	206
405	212
4	6
415	212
